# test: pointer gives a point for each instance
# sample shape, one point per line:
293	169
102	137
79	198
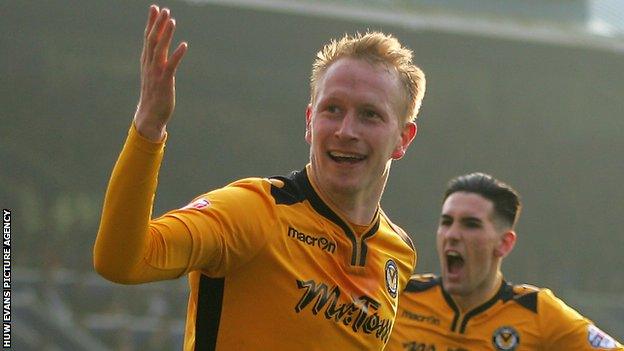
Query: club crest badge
506	339
392	278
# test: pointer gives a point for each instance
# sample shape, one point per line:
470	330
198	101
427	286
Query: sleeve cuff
142	143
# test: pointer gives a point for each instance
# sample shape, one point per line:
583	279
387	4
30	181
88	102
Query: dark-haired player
471	307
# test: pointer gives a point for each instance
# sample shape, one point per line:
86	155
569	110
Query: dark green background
545	118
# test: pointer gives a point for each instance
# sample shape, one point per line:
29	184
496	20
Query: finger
155	33
151	18
162	48
176	57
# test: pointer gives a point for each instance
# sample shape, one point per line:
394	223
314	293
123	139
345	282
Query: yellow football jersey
517	318
271	265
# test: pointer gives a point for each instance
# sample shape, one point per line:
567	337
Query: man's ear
308	130
407	135
506	244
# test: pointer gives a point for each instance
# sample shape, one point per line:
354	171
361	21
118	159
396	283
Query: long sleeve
125	241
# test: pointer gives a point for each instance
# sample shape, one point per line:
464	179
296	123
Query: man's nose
453	233
348	126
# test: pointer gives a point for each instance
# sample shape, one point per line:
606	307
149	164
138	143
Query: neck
358	207
481	295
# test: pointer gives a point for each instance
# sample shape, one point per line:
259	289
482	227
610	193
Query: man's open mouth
342	157
454	261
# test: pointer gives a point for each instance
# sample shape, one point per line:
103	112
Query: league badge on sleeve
506	339
599	339
392	278
198	204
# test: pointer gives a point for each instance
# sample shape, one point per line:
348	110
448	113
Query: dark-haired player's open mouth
454	262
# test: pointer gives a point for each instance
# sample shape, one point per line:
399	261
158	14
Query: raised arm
127	248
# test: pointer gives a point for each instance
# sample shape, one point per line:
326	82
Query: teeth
454	261
345	155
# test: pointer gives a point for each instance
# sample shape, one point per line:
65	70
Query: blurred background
529	91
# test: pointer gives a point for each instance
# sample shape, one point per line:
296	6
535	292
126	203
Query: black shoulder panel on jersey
506	291
525	295
288	194
528	301
418	282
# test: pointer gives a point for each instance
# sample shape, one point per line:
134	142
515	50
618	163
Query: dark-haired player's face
467	239
353	126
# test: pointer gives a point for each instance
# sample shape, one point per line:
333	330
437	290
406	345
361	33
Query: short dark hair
506	200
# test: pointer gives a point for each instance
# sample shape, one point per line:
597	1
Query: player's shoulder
399	231
422	282
534	298
544	294
537	299
525	289
525	295
250	185
282	189
289	189
548	300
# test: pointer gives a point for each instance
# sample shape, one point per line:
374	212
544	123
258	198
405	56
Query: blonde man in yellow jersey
307	261
471	307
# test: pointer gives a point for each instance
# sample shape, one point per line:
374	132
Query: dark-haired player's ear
506	244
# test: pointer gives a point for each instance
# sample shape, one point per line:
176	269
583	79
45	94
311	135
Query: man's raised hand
158	69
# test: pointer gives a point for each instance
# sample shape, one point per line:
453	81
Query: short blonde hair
375	47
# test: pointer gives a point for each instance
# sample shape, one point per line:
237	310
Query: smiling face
471	244
354	128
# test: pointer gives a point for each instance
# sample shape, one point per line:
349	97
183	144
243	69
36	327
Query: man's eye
472	224
445	222
333	109
370	114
